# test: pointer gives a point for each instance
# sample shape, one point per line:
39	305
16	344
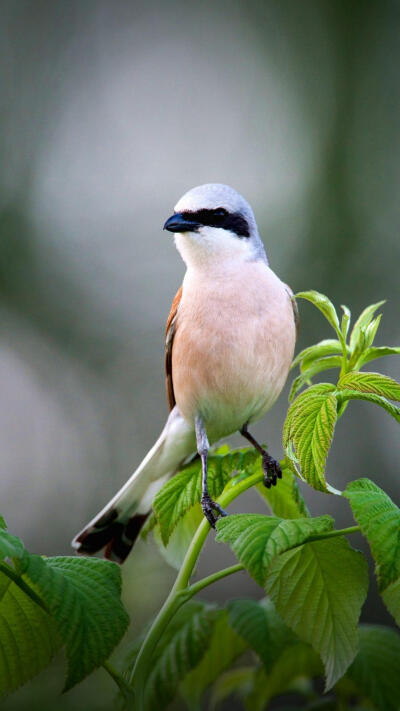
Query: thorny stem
181	591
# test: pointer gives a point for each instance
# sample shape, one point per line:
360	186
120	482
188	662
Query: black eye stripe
233	221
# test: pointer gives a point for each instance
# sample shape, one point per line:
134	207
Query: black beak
180	223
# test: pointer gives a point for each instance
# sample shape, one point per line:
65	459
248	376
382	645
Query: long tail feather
117	525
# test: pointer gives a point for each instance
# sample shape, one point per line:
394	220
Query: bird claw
272	470
209	507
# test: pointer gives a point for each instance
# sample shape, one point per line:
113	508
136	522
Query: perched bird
230	339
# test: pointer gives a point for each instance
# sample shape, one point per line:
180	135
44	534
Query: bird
230	339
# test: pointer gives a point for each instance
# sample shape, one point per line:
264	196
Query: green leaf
374	383
391	598
178	652
28	637
374	353
297	661
327	347
256	539
317	366
370	331
238	681
261	627
11	546
2	522
285	500
363	321
345	322
364	341
225	646
343	395
324	305
318	589
181	537
83	596
184	489
309	429
376	668
379	519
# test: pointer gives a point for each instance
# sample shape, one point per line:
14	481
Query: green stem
180	591
210	579
123	686
7	570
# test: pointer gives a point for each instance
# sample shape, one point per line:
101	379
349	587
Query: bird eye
220	212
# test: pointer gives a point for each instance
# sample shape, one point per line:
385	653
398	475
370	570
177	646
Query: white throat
211	246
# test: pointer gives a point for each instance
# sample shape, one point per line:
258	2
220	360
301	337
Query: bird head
212	222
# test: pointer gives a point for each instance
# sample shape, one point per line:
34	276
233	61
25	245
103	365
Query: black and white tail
117	526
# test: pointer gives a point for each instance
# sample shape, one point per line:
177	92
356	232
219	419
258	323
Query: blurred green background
109	112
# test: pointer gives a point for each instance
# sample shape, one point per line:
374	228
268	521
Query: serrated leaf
317	366
327	347
28	637
309	428
374	383
376	668
374	353
179	653
296	661
393	410
391	598
318	589
379	520
83	596
183	491
324	305
285	500
261	627
225	646
256	539
363	320
315	391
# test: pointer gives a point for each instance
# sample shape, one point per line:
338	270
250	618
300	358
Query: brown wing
169	339
296	314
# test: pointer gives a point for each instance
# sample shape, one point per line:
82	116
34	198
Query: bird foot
209	508
272	470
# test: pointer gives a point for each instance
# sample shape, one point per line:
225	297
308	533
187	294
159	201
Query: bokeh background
109	112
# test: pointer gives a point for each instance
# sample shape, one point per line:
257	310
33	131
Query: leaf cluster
316	583
312	416
49	603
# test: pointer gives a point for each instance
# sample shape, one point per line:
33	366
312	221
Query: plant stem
180	591
210	579
123	686
7	570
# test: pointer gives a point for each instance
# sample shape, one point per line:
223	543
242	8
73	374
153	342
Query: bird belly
230	365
